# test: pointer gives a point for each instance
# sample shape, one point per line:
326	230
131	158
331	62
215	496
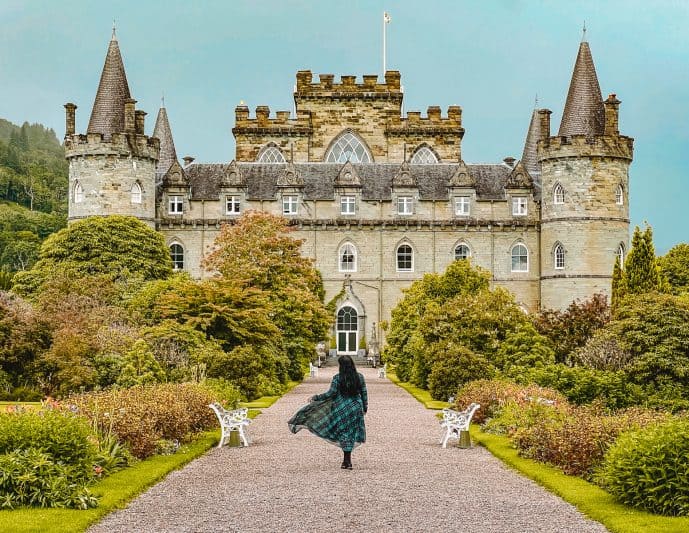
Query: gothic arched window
424	156
621	254
177	256
559	256
347	257
405	258
619	195
520	258
348	147
78	193
270	154
558	194
462	252
136	193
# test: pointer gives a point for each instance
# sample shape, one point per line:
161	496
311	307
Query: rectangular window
519	206
462	206
176	205
232	205
405	205
289	205
347	205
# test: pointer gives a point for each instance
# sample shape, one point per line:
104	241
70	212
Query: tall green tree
641	273
674	266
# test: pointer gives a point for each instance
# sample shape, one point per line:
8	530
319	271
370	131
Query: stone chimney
70	119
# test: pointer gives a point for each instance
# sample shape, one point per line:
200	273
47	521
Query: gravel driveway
402	481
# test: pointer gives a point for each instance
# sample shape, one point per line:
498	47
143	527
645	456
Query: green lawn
590	499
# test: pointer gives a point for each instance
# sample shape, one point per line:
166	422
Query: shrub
454	367
223	391
648	468
143	415
32	477
62	437
493	394
576	440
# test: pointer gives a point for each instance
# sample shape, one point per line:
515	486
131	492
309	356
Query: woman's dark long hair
349	379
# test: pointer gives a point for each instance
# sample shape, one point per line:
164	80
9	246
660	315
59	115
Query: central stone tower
112	168
585	186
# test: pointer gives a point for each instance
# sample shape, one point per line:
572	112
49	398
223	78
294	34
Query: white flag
386	17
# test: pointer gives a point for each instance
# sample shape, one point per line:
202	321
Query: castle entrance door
347	330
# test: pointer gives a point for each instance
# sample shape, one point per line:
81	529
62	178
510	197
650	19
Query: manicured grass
266	401
420	394
590	499
115	491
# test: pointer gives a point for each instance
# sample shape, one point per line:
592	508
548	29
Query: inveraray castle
379	198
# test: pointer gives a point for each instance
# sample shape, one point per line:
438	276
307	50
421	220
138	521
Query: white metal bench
382	370
236	420
454	422
313	370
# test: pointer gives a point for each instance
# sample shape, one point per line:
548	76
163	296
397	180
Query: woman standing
338	414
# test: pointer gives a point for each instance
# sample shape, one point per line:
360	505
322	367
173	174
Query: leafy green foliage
143	415
648	468
140	367
641	273
453	368
570	329
674	266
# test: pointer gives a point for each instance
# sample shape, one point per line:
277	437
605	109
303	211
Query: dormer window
347	205
462	206
175	205
405	205
232	205
136	193
519	206
290	204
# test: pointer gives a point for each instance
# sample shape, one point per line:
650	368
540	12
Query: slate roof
107	116
168	154
319	180
584	113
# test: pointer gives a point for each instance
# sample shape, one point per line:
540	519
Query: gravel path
402	481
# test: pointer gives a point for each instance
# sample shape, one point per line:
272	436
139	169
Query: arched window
559	256
347	257
348	147
405	258
347	330
177	255
558	194
621	254
136	193
270	154
619	195
424	156
78	193
462	252
520	258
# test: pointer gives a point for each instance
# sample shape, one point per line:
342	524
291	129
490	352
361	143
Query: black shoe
347	466
344	465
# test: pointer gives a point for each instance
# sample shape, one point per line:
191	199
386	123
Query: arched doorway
347	330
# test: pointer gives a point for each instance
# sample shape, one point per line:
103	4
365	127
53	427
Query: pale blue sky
490	57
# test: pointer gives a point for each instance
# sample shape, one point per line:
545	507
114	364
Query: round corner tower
585	192
111	168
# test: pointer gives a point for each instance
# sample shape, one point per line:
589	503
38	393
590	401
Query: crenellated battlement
281	122
348	87
433	121
120	144
616	146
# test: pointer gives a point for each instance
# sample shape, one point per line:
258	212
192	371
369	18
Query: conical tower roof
162	130
107	116
584	113
530	155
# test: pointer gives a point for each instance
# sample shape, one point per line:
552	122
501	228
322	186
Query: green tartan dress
334	417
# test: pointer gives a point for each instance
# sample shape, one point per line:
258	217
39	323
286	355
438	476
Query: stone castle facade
379	198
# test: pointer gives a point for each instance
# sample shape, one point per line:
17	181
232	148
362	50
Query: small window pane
558	194
271	154
620	254
559	256
177	255
347	258
78	193
232	205
347	205
462	206
520	258
405	205
347	319
405	258
462	252
176	205
348	148
619	195
289	205
136	193
424	156
519	206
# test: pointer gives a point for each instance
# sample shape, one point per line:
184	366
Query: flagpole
385	23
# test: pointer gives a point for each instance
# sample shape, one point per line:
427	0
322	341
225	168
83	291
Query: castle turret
168	154
112	167
585	182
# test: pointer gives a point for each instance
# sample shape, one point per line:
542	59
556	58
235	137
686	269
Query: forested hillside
33	191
